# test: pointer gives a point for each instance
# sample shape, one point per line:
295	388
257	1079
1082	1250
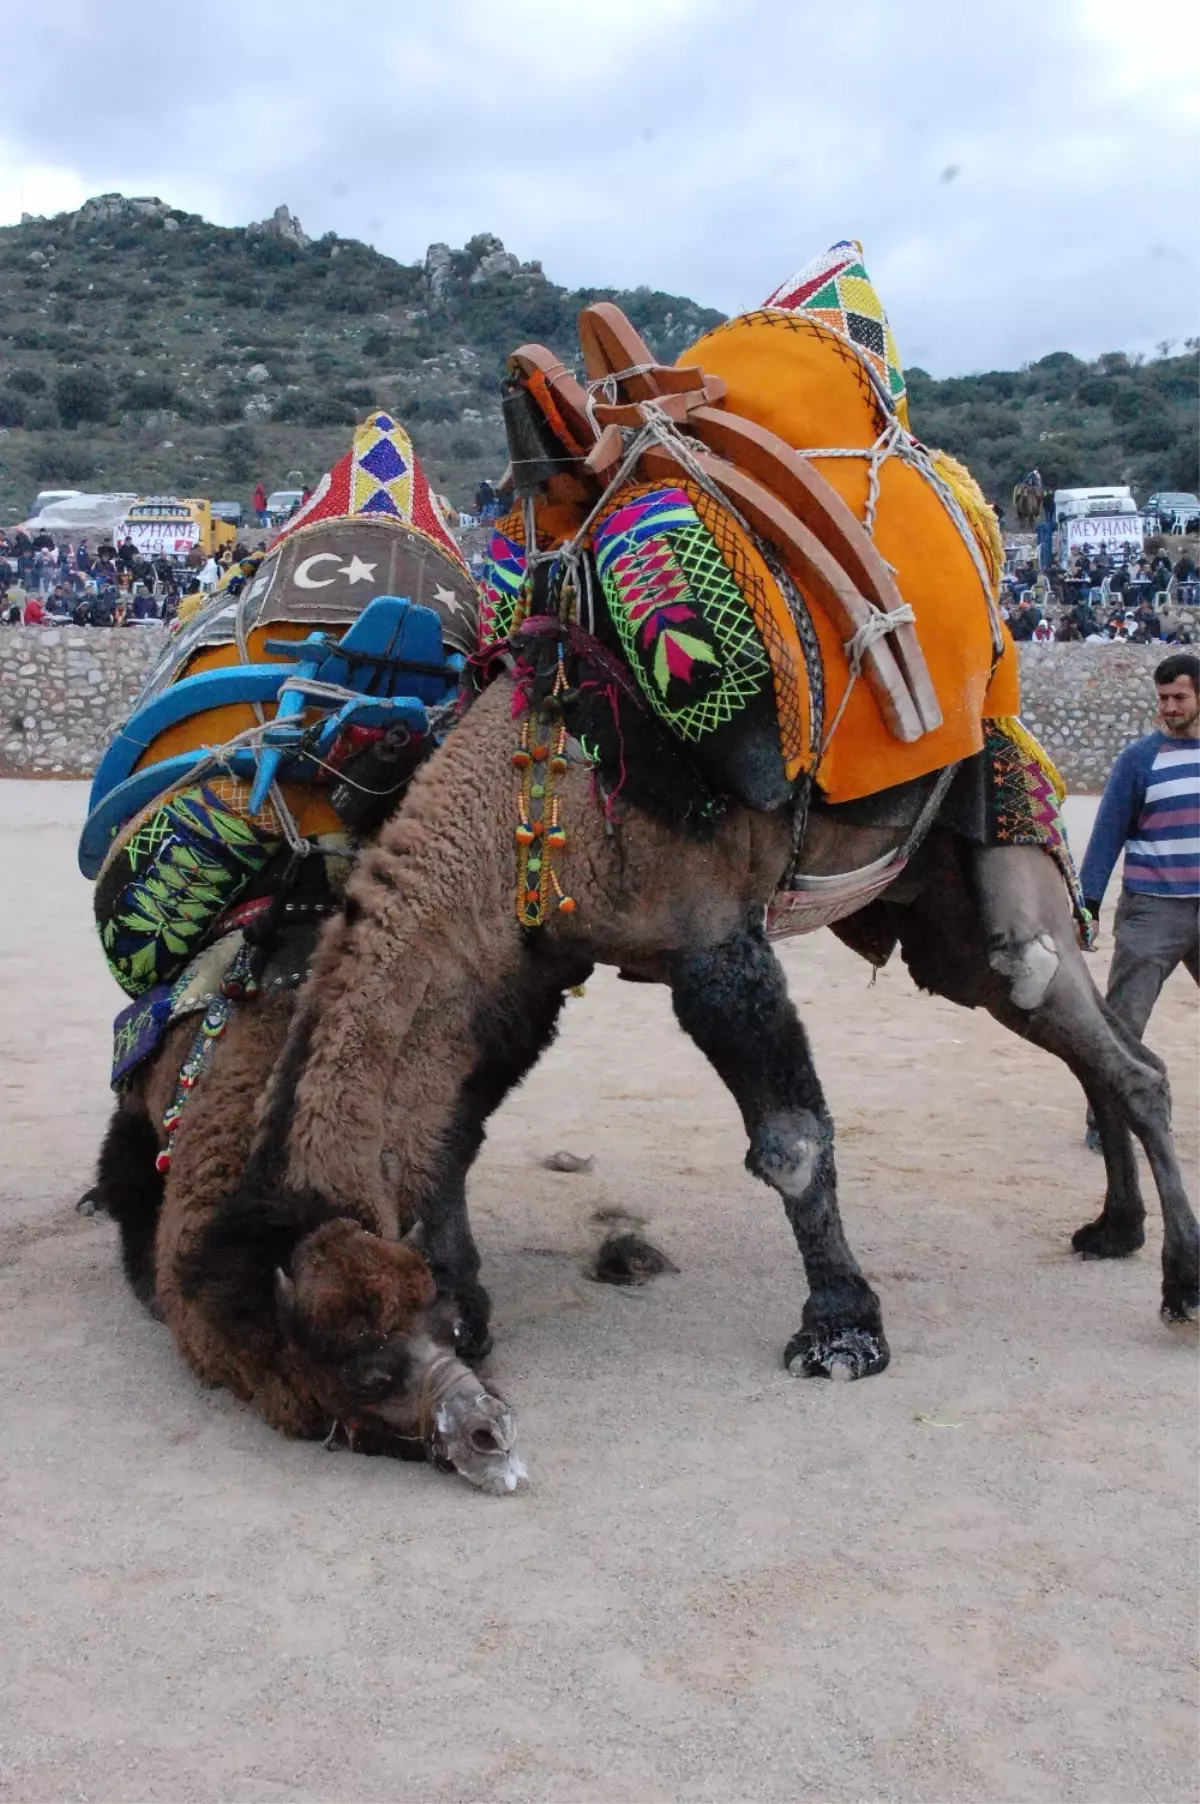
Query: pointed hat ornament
380	475
836	289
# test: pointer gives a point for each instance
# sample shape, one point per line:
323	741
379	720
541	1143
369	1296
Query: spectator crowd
1104	600
44	582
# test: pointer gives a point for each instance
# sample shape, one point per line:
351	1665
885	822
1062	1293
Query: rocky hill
143	348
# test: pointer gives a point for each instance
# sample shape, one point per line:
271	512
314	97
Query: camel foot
1181	1288
1108	1238
838	1353
472	1330
89	1203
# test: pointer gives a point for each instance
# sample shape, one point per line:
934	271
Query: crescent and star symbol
356	571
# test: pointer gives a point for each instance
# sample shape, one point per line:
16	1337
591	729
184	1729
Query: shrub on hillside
1153	434
1126	404
14	408
26	382
62	464
145	393
436	409
341	298
1184	465
308	407
83	395
241	454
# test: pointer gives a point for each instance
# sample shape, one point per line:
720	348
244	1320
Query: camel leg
514	1031
1014	952
129	1187
1120	1228
732	1000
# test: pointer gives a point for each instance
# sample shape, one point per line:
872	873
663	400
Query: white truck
1099	519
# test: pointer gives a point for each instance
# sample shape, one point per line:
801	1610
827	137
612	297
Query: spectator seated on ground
144	606
1147	627
1024	621
35	612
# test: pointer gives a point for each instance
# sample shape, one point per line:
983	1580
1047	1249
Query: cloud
688	144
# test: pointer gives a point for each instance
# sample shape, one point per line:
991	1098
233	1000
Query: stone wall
1086	703
63	691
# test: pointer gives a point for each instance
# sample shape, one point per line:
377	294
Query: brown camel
321	1319
1027	499
427	1001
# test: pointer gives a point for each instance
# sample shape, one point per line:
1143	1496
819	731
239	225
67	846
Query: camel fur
314	1315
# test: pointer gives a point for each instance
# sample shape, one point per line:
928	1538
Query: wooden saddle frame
774	489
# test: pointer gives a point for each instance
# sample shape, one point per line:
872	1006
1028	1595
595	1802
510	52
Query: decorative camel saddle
760	518
803	593
281	723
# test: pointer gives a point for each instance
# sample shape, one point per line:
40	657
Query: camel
565	822
427	1001
1027	499
324	1320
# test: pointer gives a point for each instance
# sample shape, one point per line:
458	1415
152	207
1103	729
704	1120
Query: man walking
1151	807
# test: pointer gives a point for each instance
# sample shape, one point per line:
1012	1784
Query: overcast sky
1022	173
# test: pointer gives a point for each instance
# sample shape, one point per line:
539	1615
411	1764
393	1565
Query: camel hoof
838	1353
467	1309
1181	1287
89	1203
1103	1239
1181	1303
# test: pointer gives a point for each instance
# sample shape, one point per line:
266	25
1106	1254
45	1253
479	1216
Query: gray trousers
1151	935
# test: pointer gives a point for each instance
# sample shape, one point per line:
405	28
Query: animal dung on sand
629	1259
564	1161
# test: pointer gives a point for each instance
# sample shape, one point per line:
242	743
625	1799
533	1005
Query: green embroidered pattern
166	888
683	622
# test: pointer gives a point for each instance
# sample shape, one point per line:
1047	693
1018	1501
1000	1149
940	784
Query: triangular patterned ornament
836	289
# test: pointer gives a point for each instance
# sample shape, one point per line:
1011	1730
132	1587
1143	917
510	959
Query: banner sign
1102	532
159	538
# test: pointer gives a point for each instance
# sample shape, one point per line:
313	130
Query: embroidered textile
138	1029
1026	805
500	586
683	622
836	289
162	888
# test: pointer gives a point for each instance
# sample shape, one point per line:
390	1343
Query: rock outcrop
282	224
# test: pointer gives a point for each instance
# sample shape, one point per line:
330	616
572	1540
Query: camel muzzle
469	1428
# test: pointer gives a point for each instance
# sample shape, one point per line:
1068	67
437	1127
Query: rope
876	626
659	429
895	441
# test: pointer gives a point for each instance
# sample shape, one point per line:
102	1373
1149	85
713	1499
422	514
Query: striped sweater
1151	806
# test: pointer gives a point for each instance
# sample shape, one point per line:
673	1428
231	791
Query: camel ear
285	1293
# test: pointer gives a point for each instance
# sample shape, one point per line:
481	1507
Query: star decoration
447	597
358	572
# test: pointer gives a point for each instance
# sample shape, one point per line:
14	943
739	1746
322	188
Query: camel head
377	1351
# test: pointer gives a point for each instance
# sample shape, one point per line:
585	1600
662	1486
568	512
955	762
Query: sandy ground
971	1578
